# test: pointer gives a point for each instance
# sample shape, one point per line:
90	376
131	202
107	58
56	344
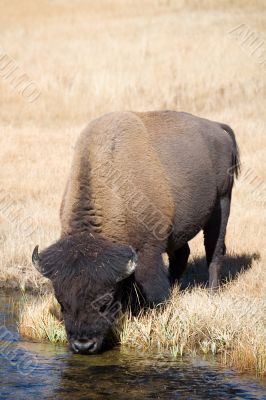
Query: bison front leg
152	277
178	262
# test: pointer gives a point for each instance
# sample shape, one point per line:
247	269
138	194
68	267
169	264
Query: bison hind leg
214	240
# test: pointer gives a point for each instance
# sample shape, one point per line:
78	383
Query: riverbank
230	324
32	370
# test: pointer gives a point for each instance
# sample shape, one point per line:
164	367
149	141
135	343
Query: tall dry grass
195	321
88	58
39	319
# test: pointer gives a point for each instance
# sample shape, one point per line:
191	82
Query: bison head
87	273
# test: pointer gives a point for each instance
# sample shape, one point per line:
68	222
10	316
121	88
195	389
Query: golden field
86	58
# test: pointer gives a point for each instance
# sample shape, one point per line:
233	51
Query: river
44	371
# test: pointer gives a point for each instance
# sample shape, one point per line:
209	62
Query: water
44	371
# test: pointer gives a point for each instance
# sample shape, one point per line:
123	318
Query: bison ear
130	266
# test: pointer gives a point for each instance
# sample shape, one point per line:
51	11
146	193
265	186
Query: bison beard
149	180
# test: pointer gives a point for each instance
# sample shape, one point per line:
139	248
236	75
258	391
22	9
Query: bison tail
236	164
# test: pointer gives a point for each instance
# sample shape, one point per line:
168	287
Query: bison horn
36	258
130	267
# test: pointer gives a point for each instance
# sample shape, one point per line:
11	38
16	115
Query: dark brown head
86	274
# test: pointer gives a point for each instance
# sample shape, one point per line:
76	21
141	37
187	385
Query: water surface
45	371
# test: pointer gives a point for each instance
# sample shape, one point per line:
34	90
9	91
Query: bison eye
103	308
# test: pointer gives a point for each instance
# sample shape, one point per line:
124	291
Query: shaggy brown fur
152	181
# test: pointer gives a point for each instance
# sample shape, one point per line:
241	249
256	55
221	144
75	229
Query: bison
141	184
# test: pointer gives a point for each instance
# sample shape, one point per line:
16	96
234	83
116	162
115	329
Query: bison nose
84	346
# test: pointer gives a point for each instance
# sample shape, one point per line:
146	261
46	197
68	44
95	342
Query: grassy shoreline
229	324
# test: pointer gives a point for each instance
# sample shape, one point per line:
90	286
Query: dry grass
39	319
88	58
193	322
196	322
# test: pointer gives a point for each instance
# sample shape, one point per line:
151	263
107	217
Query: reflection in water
52	372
